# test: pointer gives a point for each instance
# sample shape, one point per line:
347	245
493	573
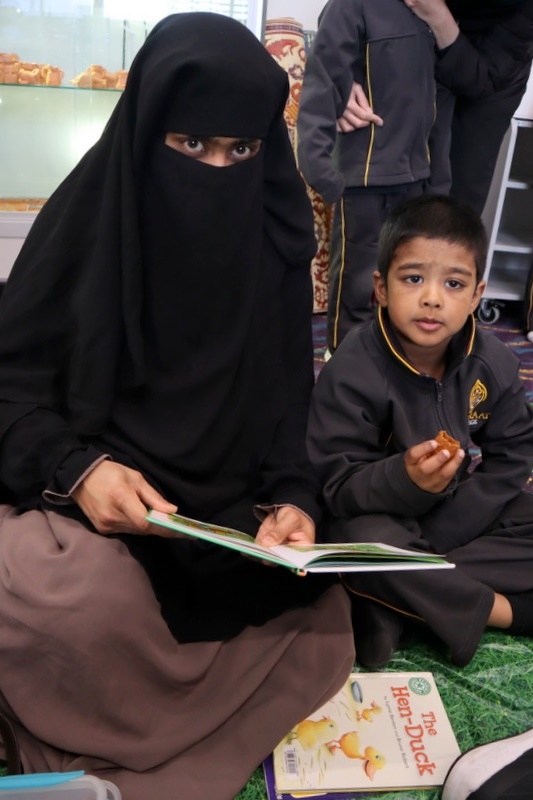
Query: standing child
389	52
420	367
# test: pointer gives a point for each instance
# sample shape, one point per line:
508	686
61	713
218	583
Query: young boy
420	367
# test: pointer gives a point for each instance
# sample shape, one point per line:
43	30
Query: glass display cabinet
63	65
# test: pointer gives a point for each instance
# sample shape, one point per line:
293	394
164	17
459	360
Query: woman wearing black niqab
155	349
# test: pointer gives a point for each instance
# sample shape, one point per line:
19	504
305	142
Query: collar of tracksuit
459	348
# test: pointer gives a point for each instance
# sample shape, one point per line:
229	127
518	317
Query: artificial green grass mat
490	698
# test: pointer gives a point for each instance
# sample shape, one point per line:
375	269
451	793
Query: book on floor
273	794
381	731
345	557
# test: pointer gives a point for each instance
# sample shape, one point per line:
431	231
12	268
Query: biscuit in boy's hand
446	442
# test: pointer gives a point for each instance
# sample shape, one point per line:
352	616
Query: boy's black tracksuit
369	406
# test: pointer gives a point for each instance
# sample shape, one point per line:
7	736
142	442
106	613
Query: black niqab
152	278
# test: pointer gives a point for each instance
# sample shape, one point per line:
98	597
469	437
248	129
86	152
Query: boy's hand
431	471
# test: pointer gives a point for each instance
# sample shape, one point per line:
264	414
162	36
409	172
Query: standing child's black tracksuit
383	46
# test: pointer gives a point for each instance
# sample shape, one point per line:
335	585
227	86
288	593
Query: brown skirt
92	678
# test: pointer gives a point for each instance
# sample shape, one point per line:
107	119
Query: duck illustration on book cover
383	730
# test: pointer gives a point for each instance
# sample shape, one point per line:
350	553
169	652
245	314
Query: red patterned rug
285	41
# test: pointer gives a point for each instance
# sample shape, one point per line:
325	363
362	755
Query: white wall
304	11
525	109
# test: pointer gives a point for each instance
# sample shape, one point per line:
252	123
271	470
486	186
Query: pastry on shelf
94	77
29	73
13	70
98	77
51	76
9	72
22	203
9	67
122	76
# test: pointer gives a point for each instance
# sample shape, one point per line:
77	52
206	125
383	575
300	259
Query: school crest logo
478	394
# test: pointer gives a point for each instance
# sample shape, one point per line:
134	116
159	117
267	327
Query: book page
316	557
227	537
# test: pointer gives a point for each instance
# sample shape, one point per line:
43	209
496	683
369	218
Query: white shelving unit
508	217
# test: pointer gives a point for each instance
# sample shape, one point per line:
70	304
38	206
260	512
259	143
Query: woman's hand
115	498
286	525
429	470
357	113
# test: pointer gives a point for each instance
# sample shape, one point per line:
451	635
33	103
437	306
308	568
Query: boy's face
429	293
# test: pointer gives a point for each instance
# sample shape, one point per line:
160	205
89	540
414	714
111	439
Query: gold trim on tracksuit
342	212
341	273
391	607
381	323
372	124
390	344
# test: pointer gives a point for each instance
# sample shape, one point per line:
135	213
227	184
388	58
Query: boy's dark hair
433	217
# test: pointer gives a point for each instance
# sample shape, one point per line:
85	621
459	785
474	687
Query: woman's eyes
242	151
193	146
219	151
245	150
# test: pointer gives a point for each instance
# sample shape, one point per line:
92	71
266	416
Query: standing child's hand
358	112
429	470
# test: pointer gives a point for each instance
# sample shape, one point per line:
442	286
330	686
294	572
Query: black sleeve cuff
70	472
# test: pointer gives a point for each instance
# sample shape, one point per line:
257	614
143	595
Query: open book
346	557
381	731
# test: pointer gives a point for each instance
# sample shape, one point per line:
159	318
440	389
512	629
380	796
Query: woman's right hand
116	498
